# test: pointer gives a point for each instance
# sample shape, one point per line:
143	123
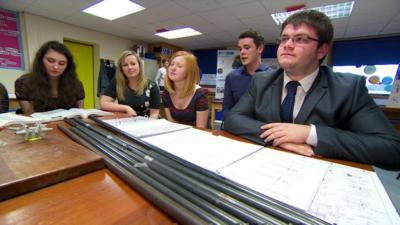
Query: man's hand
302	149
281	133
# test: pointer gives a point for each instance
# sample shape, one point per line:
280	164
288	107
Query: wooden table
96	198
93	195
27	166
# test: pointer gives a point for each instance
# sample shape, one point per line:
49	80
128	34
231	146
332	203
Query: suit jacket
348	123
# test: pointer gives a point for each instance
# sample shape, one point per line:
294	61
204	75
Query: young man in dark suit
251	46
306	108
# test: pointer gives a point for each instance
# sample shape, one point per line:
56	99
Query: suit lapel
316	92
276	95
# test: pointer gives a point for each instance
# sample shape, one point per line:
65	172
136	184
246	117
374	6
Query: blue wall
270	51
365	52
207	60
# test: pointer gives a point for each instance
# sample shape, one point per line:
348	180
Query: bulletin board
11	51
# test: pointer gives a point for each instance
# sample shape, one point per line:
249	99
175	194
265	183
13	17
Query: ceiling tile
217	15
259	21
247	10
199	5
364	30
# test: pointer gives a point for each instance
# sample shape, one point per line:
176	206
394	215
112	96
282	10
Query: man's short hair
318	20
257	38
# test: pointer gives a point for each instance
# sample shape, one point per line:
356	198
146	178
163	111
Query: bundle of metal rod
212	201
170	206
273	207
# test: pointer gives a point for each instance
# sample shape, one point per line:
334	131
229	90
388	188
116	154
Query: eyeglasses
297	40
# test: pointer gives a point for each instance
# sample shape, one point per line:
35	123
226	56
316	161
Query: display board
11	51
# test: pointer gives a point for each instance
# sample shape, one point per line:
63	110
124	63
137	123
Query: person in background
307	108
106	74
237	63
4	101
161	73
53	82
184	100
136	95
251	46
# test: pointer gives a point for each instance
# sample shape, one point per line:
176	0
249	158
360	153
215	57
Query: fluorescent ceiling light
332	11
178	33
113	9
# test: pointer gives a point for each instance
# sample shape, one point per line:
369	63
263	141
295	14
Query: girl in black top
52	83
136	95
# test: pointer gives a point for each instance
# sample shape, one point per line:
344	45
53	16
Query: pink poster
11	54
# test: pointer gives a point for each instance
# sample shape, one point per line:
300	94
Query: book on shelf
7	119
60	114
143	126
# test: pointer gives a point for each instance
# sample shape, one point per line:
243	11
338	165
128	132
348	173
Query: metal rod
264	203
132	157
233	206
163	197
142	171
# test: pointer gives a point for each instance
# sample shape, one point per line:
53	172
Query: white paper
335	193
394	98
289	178
353	196
202	148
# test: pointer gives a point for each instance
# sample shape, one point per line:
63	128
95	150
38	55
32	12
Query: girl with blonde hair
136	95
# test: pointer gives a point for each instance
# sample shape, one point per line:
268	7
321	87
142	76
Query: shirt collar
262	67
305	83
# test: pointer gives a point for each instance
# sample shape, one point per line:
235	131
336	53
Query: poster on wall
11	53
225	60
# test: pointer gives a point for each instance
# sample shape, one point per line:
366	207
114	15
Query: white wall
36	30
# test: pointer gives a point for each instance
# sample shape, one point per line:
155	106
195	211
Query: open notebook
333	192
8	119
60	114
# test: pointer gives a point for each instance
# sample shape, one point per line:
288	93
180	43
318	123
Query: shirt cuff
312	138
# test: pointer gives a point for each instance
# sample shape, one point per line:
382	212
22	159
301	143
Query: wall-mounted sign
11	51
224	66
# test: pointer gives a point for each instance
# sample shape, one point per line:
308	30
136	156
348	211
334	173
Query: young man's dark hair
257	38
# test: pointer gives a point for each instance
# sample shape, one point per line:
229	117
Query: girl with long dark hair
52	83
